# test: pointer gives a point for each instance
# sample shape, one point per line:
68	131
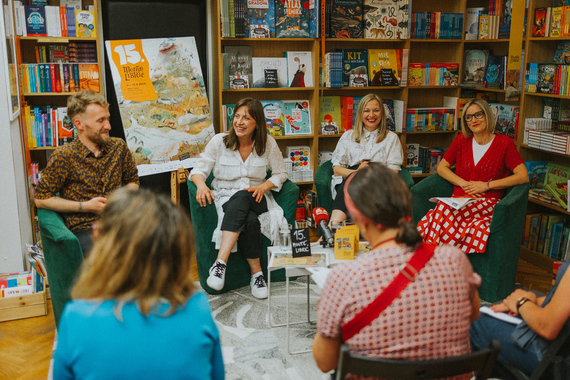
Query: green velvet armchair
497	266
204	222
63	257
323	177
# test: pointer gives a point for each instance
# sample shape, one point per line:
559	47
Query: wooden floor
26	344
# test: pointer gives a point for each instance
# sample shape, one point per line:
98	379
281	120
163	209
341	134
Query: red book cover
63	21
539	27
53	77
57	76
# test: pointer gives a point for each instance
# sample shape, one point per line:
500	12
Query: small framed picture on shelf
239	81
329	128
358	80
8	47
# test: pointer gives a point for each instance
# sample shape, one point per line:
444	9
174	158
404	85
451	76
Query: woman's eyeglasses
477	115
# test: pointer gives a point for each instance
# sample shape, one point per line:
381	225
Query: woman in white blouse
368	141
245	206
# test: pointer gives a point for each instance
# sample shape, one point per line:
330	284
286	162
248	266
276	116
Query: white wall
15	223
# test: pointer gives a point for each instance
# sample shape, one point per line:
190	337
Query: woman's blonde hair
141	254
255	110
489	116
358	133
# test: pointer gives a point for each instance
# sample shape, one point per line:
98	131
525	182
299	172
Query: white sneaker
217	276
258	286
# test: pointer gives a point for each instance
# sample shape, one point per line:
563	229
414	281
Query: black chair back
481	362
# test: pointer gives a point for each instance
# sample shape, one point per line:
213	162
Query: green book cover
556	182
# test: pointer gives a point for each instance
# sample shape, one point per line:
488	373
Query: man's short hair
78	102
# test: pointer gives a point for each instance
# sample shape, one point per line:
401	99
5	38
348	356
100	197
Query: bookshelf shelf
44	148
545	151
481	88
538	259
435	40
548	38
337	135
546	95
64	94
266	40
548	205
431	132
368	88
267	89
434	87
363	39
57	40
502	40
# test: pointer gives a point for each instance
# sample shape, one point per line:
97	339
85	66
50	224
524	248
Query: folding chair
552	366
481	362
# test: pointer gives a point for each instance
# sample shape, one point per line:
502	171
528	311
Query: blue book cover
536	173
35	21
297	114
47	69
273	110
260	18
556	240
70	13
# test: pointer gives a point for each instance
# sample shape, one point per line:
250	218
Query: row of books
430	119
548	78
72	52
433	74
256	18
20	283
436	25
373	19
54	21
47	126
493	22
337	114
549	181
482	69
557	110
547	234
59	77
551	22
242	70
421	159
365	67
282	117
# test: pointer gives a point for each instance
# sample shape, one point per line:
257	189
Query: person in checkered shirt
485	164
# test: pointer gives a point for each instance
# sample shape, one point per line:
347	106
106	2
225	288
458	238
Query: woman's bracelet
489	184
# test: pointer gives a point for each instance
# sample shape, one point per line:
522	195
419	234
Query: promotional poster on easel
162	100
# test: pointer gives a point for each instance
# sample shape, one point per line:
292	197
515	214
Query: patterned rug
254	350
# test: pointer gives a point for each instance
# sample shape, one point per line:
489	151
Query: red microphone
321	217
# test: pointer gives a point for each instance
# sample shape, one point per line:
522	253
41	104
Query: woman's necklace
383	241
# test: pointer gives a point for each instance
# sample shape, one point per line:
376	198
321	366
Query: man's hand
204	194
94	205
258	191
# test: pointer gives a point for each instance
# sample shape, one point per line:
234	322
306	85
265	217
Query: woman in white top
240	160
368	141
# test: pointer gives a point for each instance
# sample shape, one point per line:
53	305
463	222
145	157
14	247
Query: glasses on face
477	115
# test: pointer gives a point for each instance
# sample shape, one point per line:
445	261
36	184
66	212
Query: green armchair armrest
497	266
63	257
204	222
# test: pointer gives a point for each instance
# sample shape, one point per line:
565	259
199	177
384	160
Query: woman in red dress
485	164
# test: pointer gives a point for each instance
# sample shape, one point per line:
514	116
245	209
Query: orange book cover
89	76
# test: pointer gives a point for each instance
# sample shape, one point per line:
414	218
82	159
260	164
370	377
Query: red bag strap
407	274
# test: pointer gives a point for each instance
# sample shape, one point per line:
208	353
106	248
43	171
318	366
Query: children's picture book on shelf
64	126
261	64
556	182
474	67
85	24
297	115
386	19
354	65
274	120
299	68
494	71
329	115
507	117
162	100
545	78
296	19
536	173
540	22
384	67
472	22
89	76
260	18
346	19
241	64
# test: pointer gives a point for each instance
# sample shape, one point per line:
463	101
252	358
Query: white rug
251	348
